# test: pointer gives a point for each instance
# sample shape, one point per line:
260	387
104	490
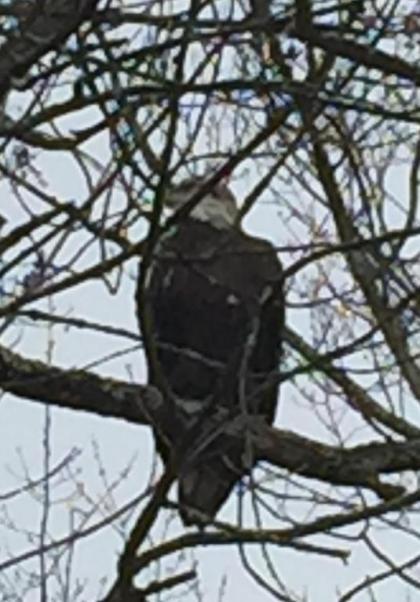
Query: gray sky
115	445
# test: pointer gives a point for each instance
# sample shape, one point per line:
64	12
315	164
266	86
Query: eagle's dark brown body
217	335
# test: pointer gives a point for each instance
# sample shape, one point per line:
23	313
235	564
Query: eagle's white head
218	207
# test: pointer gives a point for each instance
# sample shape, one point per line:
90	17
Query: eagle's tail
204	487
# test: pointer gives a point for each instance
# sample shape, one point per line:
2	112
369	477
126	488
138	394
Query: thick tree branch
390	322
357	397
78	390
360	54
357	466
42	27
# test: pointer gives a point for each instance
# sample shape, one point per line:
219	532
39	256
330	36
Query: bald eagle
215	310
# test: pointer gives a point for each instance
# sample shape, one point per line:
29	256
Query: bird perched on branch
211	310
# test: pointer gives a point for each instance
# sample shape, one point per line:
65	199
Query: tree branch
360	54
40	30
76	389
358	466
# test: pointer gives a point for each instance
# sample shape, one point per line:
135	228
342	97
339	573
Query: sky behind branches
287	213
